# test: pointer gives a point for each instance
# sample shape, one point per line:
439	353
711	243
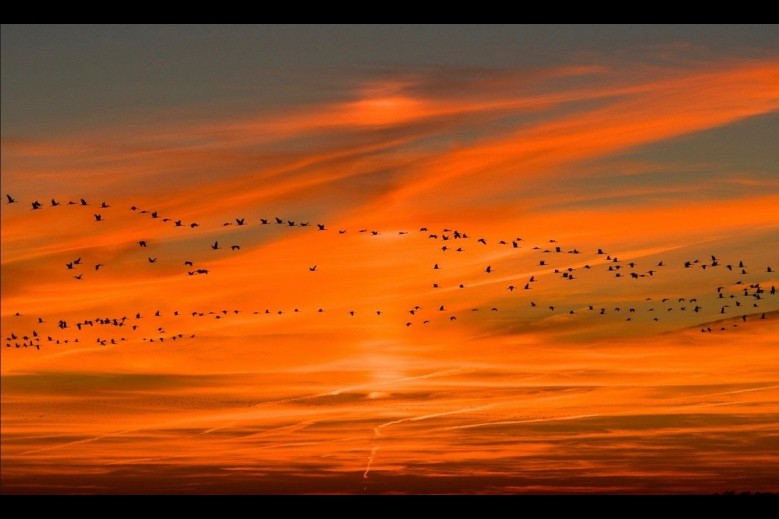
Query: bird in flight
98	217
152	260
11	199
215	246
312	269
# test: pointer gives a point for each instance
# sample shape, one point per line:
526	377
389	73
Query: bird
154	214
240	221
304	224
321	226
264	221
84	202
215	246
97	267
188	263
279	220
152	260
36	205
104	205
436	267
312	269
178	223
98	217
78	277
235	247
482	241
291	223
54	203
488	269
69	265
77	261
11	200
142	243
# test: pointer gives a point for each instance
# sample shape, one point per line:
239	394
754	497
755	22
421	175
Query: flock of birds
743	298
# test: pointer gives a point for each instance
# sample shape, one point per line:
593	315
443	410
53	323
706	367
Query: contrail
370	462
378	428
512	422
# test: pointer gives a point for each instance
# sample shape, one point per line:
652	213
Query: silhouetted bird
54	203
152	260
488	269
36	205
11	200
97	267
98	217
215	246
84	202
188	263
104	205
312	269
321	226
142	243
178	223
239	221
235	247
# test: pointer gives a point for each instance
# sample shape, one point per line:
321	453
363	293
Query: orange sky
500	391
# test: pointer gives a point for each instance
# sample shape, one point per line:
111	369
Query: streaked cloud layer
659	156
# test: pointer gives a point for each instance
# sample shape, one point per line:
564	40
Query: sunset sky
373	356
